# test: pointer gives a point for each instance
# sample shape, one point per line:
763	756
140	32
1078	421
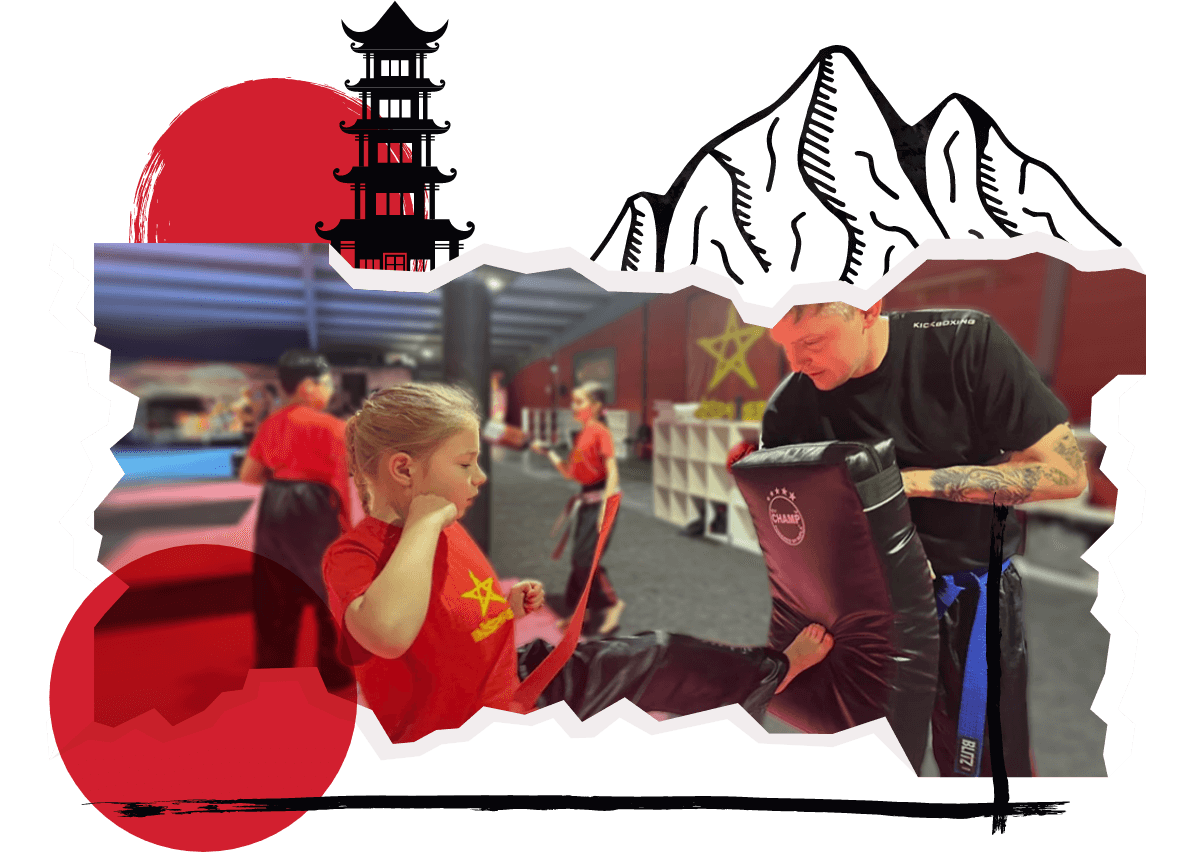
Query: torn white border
106	471
753	309
623	710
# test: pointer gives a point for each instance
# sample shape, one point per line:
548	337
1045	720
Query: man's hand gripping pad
835	529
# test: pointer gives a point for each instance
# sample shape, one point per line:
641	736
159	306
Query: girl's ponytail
353	465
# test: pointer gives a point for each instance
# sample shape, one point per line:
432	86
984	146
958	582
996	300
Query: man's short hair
844	310
297	365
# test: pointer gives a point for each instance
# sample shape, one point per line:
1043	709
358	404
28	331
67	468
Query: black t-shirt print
953	389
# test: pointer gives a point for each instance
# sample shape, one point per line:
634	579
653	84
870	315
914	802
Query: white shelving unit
689	457
622	424
537	423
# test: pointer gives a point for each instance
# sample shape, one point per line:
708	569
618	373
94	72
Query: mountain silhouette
830	184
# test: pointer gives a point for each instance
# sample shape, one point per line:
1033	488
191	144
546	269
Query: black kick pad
835	529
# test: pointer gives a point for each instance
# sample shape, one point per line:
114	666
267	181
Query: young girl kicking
423	617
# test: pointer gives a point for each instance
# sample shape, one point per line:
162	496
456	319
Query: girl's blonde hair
409	418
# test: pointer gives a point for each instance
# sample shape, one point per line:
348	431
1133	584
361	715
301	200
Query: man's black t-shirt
953	389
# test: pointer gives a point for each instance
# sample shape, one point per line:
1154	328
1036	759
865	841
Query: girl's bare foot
564	623
612	618
810	647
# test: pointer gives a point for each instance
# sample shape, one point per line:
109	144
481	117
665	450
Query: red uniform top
300	443
463	658
593	447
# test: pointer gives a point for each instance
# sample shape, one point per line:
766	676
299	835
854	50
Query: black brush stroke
951	168
1022	177
986	183
887	263
799	240
724	259
993	666
873	175
492	803
892	229
976	234
774	160
1043	215
695	235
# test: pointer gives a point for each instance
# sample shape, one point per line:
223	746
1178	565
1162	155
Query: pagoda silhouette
394	181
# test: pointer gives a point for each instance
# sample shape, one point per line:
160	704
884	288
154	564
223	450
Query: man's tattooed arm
997	484
1052	468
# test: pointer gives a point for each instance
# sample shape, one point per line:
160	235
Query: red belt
567	516
527	694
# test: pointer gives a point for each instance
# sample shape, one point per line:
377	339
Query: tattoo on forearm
1069	449
1004	484
1059	478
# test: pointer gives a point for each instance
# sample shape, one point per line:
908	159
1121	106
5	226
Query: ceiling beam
599	295
338	288
128	317
233	255
532	300
164	298
289	279
352	307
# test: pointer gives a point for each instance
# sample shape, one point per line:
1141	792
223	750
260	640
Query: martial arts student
593	464
298	454
973	426
423	616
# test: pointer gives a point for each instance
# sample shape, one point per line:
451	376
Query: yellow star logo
731	349
482	593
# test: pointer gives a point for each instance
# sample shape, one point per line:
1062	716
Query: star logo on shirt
482	593
731	348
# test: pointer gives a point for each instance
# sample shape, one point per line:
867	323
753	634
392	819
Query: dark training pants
296	523
955	628
583	549
659	671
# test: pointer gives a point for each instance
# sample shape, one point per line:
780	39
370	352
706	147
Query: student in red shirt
593	464
298	454
421	611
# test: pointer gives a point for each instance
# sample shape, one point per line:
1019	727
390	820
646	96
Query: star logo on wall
482	593
730	349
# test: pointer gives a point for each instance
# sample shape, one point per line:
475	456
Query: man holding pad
974	427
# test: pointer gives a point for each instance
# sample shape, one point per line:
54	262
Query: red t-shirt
300	443
593	447
463	658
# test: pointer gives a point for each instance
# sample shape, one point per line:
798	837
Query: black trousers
955	629
583	550
659	671
296	523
